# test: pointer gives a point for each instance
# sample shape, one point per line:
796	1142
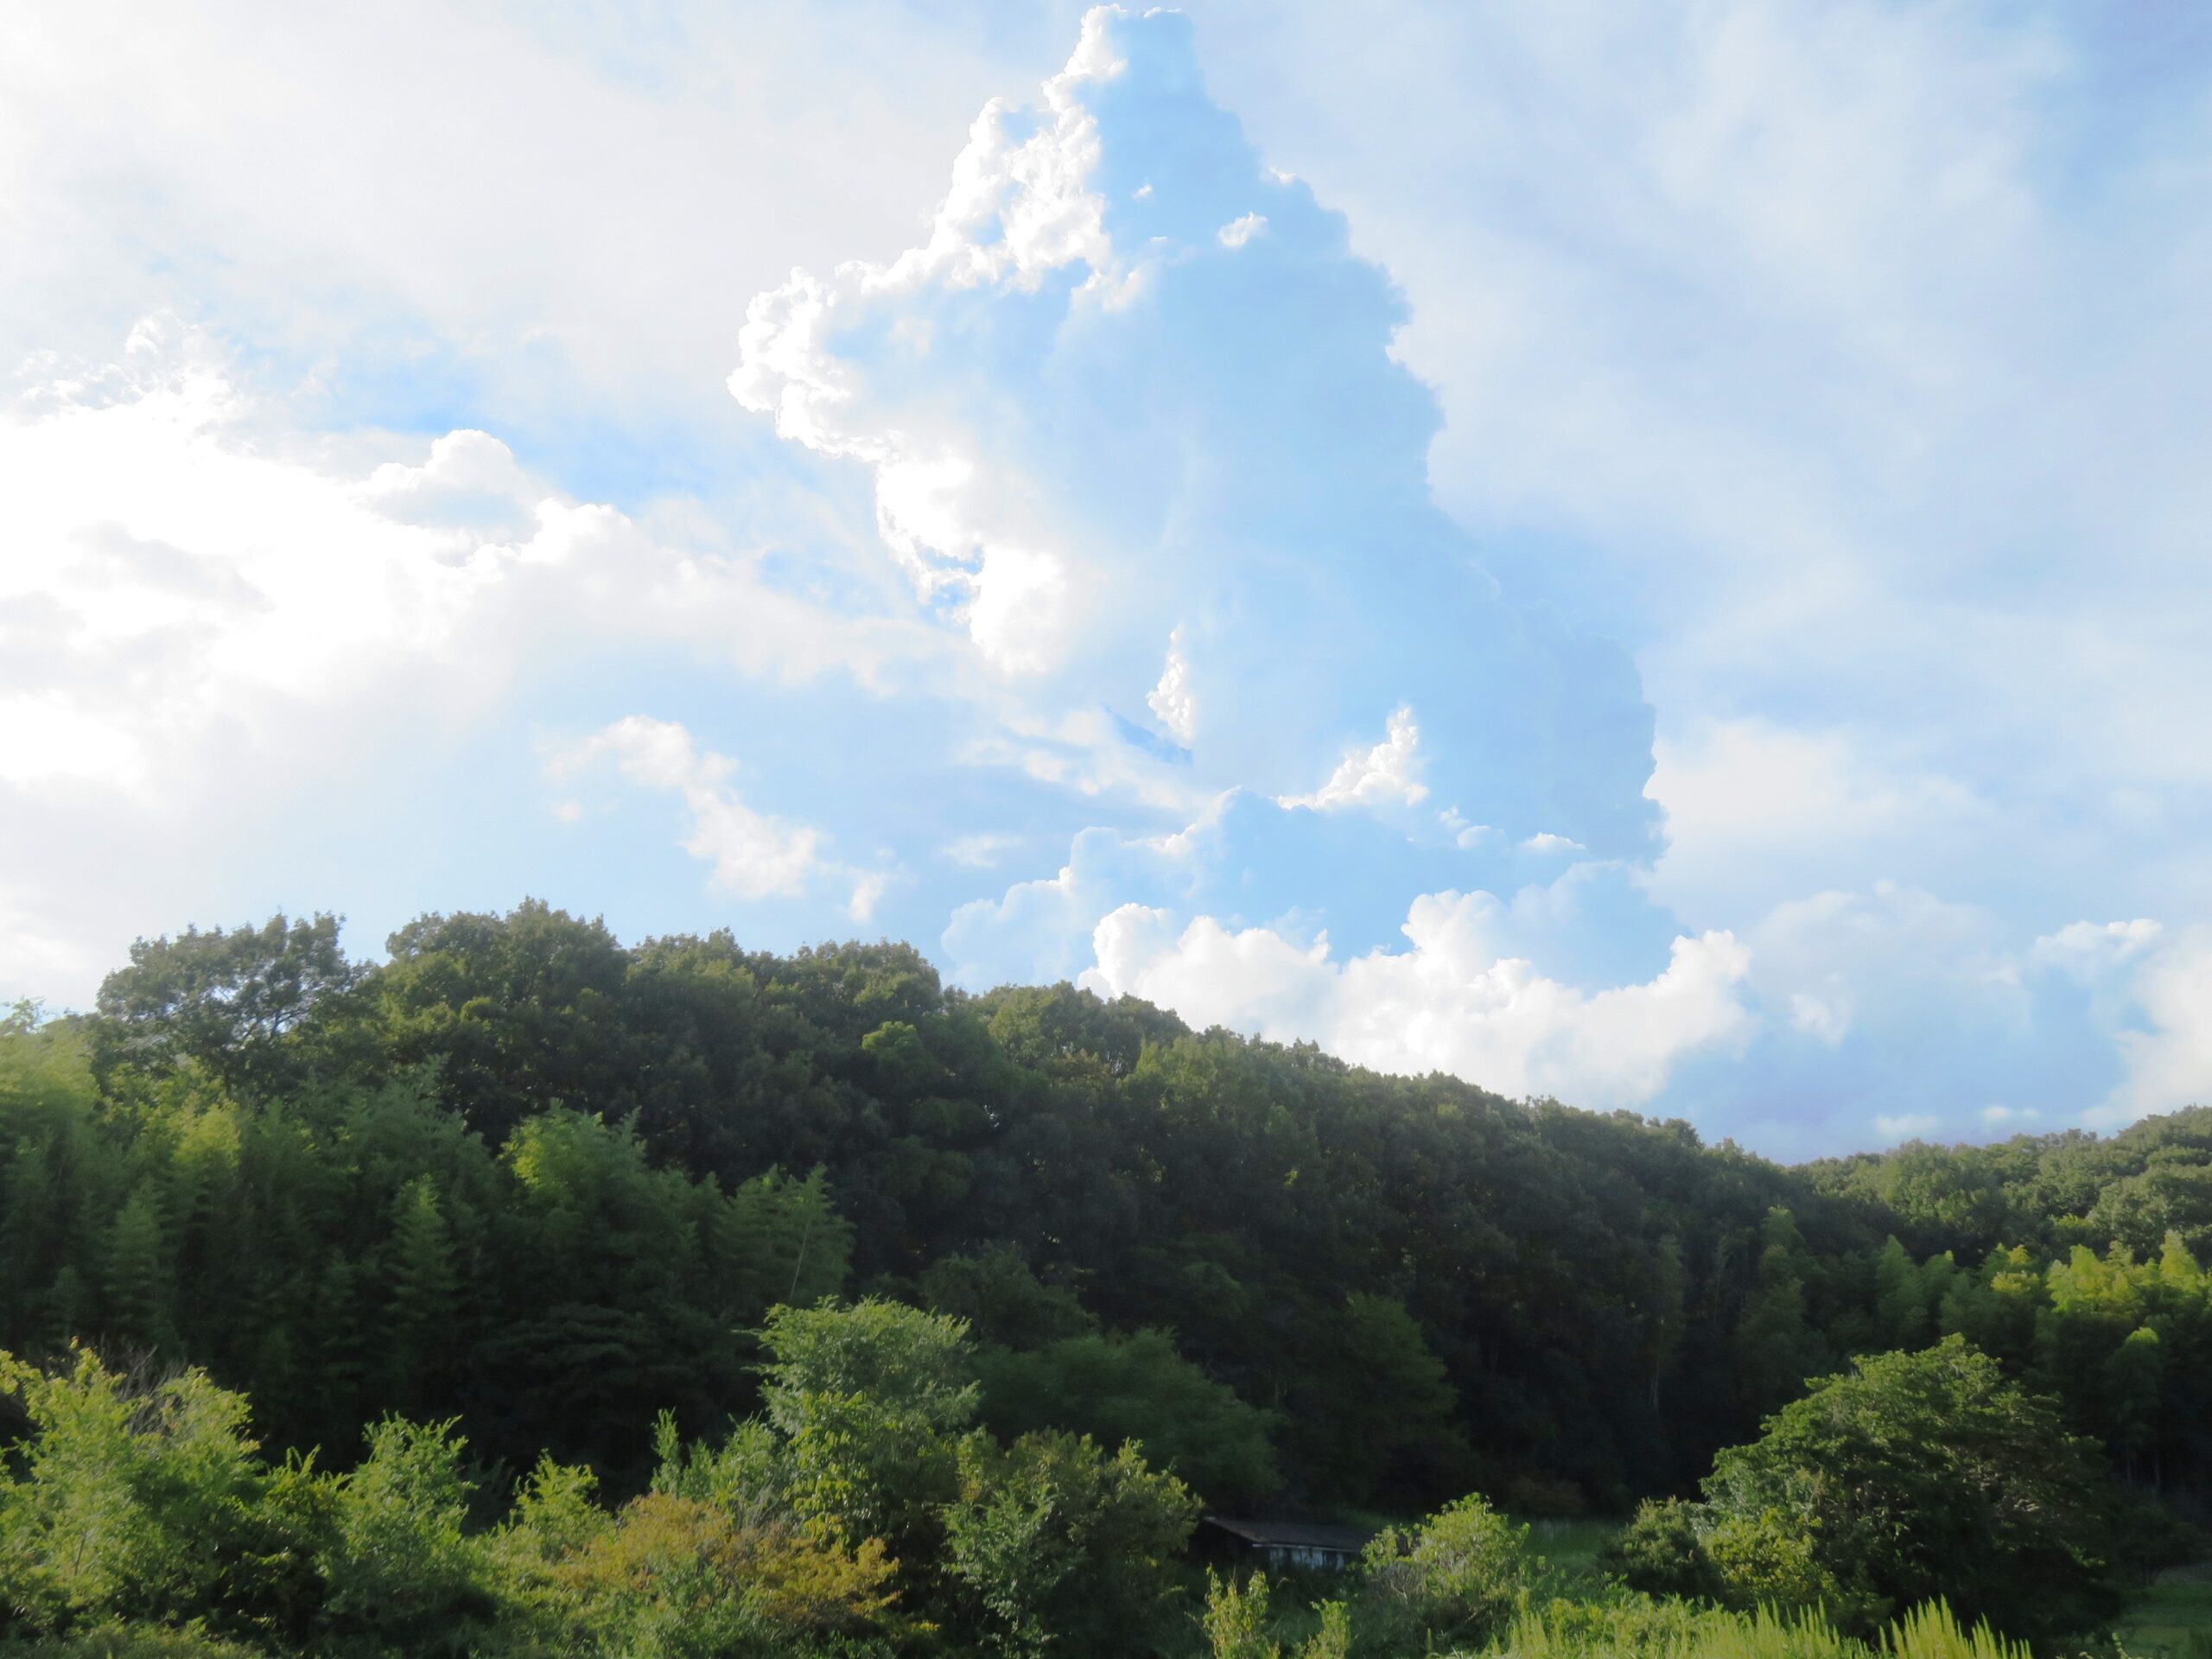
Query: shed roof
1294	1535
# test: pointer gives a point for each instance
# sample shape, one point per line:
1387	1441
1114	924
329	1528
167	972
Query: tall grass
1644	1629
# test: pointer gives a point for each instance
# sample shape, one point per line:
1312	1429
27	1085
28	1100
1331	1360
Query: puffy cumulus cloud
1094	419
1134	386
1170	700
179	576
1848	370
1905	1126
1040	930
751	854
210	621
2169	1056
2088	951
1388	775
1891	1011
1452	1002
180	568
468	486
1752	806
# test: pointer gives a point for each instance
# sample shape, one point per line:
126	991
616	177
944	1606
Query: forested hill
526	1175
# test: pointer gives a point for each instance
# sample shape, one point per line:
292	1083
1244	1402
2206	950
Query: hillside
523	1175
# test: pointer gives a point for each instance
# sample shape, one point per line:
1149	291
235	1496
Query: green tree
1062	1548
1001	1300
872	1399
136	1292
1776	1348
1136	1389
1913	1476
2133	1376
144	1498
1456	1580
406	1575
1374	1415
227	1000
1901	1311
423	1291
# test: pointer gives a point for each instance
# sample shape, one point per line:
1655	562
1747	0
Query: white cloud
867	892
1752	807
1905	1125
980	851
207	621
1238	231
1452	1002
1172	699
1998	1116
1545	842
1827	1018
1883	958
468	187
752	854
186	573
468	486
187	577
1386	775
2169	1060
1939	621
1040	930
2086	951
1021	207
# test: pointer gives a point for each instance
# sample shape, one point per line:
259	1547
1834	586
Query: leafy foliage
1915	1476
511	1199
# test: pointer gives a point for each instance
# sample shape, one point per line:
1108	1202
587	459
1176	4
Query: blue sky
1655	556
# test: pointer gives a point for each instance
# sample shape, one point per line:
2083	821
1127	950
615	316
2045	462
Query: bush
1237	1624
1459	1578
144	1498
1661	1551
1914	1477
1061	1547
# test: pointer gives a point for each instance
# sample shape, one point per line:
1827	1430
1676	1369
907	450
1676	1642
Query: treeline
523	1176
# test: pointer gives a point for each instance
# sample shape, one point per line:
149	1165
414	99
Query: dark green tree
1911	1477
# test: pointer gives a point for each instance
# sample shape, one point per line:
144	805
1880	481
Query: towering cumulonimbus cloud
1134	425
1135	428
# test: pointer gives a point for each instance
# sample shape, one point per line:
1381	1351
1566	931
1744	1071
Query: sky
1652	556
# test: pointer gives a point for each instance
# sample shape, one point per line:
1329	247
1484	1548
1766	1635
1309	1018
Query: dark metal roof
1294	1535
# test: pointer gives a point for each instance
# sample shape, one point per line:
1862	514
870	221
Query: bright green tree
1455	1580
872	1399
1060	1548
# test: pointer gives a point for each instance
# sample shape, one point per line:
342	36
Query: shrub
1913	1476
1459	1578
1061	1547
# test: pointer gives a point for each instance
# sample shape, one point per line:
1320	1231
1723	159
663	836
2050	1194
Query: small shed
1287	1543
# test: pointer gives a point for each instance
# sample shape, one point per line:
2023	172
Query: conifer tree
424	1294
1776	1347
136	1296
1900	1298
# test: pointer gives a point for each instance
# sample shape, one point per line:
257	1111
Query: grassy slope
2172	1619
